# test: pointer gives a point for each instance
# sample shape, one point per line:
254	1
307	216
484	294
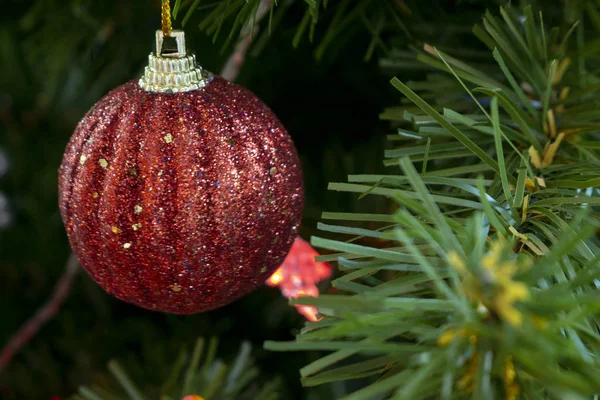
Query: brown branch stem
236	60
30	328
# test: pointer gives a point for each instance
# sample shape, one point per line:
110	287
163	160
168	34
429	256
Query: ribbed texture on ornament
180	203
173	75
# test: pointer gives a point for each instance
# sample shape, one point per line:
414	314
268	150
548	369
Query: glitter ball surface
181	203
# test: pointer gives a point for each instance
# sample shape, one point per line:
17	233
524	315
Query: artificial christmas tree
493	292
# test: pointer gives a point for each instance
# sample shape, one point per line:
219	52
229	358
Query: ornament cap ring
179	37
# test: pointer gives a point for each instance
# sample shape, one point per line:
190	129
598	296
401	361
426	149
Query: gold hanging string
166	17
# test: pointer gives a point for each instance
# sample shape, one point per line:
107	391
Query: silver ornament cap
173	72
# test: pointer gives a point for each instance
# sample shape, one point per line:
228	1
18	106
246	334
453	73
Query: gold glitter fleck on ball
82	159
95	195
168	138
103	163
176	288
272	171
137	209
127	245
137	226
116	230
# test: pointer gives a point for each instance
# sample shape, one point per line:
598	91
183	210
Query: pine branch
190	379
375	17
485	284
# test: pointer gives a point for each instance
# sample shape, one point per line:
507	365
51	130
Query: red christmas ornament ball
182	202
